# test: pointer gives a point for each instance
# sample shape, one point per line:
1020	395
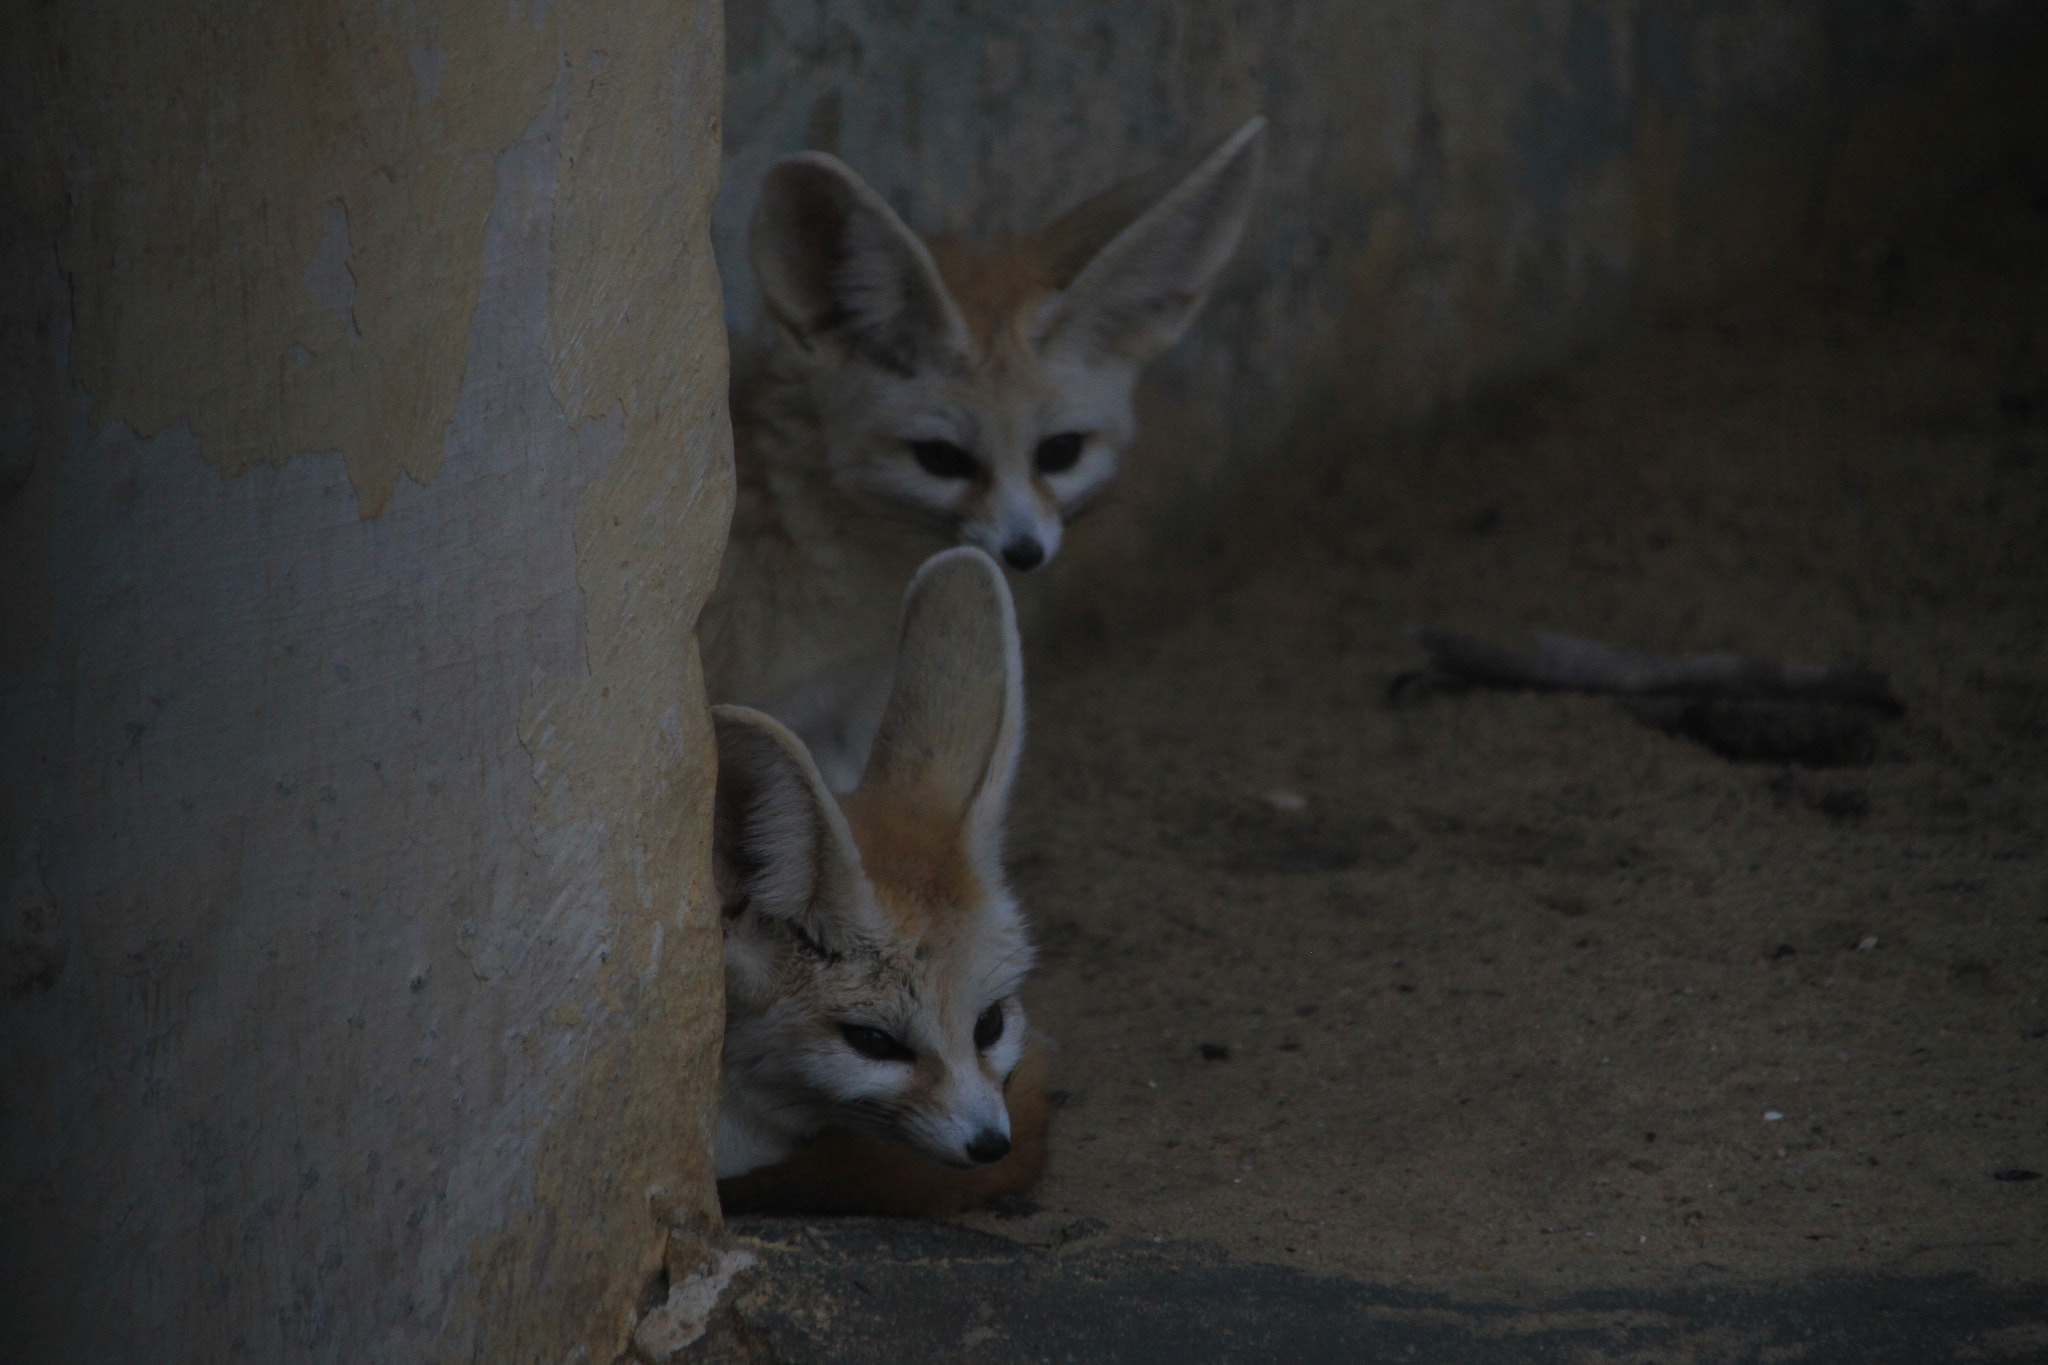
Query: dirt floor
1502	990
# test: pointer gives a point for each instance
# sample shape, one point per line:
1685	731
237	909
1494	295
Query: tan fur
918	865
883	341
999	285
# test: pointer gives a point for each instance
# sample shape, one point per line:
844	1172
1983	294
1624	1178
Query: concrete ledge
868	1290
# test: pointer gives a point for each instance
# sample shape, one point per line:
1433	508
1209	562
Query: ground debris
1567	663
1745	709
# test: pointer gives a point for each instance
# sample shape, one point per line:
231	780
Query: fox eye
874	1044
989	1027
1058	454
944	460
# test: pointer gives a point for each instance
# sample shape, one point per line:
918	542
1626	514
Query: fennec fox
872	950
919	392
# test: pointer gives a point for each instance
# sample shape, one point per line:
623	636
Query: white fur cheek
749	974
1009	1049
742	1149
898	478
840	1075
1079	486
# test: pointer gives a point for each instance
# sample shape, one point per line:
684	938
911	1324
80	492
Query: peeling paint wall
365	466
1459	193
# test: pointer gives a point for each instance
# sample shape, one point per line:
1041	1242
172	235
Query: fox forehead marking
918	865
995	285
851	981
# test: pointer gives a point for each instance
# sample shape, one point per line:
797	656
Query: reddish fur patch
993	283
915	860
839	1172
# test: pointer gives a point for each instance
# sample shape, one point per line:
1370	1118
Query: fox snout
966	1140
988	1145
1021	532
1024	553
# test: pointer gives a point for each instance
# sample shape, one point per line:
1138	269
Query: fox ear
1134	296
833	259
780	844
954	725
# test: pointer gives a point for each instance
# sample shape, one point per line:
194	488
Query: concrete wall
365	464
1460	193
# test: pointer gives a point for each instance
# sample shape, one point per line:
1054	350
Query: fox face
984	391
872	951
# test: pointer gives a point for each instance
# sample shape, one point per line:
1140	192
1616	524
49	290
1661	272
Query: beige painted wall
366	462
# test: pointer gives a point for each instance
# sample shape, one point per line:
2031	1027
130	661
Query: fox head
872	950
985	391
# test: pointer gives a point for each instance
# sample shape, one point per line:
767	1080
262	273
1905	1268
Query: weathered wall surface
1459	194
365	466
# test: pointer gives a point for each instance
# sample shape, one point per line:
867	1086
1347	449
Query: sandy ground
1517	989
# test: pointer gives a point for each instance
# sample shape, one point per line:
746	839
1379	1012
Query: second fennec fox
872	950
920	392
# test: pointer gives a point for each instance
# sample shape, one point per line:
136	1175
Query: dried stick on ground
1564	663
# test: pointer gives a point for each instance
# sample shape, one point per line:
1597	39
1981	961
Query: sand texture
1526	989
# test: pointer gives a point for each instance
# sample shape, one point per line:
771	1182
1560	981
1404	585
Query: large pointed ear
954	726
780	844
834	260
1137	293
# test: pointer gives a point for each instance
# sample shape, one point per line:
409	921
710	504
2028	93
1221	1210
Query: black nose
1024	553
988	1145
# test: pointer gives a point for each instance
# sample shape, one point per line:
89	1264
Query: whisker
1007	961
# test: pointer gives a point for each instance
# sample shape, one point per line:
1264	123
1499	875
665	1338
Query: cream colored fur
918	393
885	911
